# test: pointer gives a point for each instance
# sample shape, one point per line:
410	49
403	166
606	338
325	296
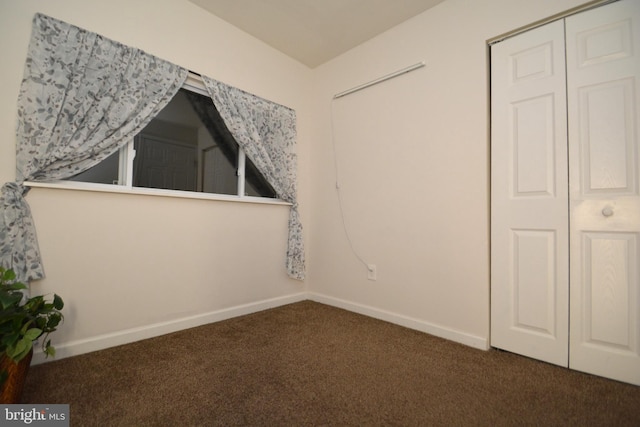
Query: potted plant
23	320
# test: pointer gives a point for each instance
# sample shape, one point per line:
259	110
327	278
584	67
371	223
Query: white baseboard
408	322
101	342
127	336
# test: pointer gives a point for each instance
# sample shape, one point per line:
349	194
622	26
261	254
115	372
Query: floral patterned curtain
82	97
267	133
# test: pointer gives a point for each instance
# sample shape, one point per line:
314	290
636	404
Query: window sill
106	188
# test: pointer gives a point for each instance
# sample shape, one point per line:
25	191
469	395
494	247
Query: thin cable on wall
335	155
337	177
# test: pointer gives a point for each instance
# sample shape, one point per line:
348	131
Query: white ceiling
315	31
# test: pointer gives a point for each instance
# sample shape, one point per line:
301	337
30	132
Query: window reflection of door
218	174
165	164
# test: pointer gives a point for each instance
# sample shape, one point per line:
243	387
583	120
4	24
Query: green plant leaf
24	354
49	350
24	319
53	322
8	275
15	286
33	334
20	350
9	299
9	339
58	303
25	327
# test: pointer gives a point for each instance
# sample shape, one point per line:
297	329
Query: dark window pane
105	172
186	147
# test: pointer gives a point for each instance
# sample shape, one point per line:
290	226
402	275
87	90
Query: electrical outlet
372	272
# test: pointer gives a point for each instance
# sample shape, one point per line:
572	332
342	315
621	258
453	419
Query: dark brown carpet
308	364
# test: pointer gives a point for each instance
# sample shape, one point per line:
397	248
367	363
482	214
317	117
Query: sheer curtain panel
266	131
82	97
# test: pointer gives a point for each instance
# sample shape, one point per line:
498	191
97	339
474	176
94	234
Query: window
186	147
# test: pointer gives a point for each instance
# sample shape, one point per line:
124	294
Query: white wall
131	266
413	157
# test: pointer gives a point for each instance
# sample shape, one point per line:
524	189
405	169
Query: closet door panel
529	225
603	70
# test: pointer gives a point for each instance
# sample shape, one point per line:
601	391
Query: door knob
607	211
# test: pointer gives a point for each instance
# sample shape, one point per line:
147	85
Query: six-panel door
539	108
529	196
603	66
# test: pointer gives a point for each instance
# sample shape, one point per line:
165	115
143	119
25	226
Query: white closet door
529	195
603	69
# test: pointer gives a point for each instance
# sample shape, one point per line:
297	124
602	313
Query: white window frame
125	172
